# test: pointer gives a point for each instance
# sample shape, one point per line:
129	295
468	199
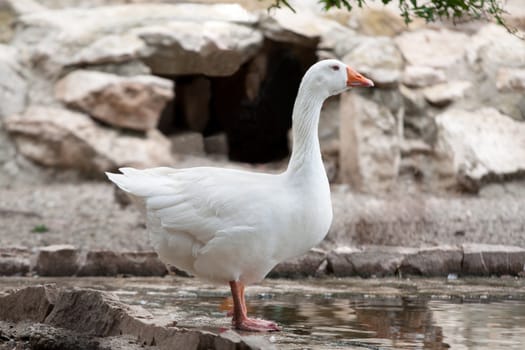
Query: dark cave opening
253	107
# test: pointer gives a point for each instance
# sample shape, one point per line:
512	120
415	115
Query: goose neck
306	150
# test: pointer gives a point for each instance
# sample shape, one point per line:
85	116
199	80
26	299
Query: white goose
233	226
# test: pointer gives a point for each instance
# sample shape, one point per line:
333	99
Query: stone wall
112	83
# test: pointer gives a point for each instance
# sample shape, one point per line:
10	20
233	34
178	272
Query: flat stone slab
102	314
343	261
486	260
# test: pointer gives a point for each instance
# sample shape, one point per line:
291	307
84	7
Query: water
346	313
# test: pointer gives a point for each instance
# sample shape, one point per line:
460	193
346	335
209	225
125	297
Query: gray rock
493	47
435	261
21	7
99	263
379	21
110	263
57	260
421	76
367	262
31	303
378	59
13	86
486	260
302	266
112	49
128	102
141	264
14	266
345	45
490	50
481	145
303	28
56	137
42	336
446	93
339	261
514	15
7	23
419	47
101	314
173	38
509	79
209	48
92	312
368	165
251	341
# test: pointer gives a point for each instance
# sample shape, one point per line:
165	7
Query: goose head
331	77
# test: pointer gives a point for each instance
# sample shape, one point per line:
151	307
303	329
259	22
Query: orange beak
355	79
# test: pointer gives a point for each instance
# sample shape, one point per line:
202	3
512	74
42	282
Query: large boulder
377	58
481	145
498	57
128	102
172	38
212	48
304	28
370	144
419	47
93	313
60	138
30	303
493	47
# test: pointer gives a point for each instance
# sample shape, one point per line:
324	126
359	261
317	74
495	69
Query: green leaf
40	229
429	10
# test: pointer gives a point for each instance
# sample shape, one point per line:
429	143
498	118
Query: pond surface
341	313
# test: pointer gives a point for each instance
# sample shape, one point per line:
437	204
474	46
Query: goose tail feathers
140	183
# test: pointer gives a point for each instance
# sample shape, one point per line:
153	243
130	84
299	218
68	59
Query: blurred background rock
90	86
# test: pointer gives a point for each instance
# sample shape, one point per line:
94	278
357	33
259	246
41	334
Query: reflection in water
482	325
400	323
359	322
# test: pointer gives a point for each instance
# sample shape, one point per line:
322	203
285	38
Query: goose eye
335	67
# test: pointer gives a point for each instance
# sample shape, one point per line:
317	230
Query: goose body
234	226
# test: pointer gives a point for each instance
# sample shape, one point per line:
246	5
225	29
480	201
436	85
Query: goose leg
240	319
243	305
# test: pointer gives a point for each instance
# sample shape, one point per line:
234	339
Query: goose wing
201	201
